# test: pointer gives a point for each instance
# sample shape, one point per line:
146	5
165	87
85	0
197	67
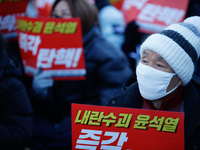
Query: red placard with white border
53	44
152	15
8	10
118	128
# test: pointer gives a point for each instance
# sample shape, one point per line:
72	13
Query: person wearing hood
15	107
164	77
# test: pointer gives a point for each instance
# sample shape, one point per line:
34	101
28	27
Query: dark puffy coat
15	107
131	98
107	69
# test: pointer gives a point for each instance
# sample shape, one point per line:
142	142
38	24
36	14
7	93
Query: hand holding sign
54	44
41	82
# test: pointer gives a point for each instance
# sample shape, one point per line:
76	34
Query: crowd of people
36	111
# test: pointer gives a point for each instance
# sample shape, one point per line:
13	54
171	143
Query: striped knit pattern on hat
179	45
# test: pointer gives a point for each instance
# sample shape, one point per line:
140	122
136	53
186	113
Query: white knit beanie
179	45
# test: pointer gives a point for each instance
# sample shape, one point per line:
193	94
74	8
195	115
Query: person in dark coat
107	68
164	77
15	107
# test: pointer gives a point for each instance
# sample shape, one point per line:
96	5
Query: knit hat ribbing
179	45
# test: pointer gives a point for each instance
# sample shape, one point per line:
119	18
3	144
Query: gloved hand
41	82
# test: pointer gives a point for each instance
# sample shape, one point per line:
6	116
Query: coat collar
191	105
132	96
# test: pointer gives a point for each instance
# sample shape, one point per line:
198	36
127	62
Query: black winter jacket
15	107
107	68
130	97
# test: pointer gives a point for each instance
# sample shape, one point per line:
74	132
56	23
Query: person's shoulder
132	79
94	42
101	50
107	50
101	43
95	39
130	97
10	84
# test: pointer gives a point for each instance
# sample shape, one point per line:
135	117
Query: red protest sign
102	127
116	3
154	15
53	44
44	7
8	10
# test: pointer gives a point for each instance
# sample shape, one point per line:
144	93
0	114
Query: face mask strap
174	87
172	90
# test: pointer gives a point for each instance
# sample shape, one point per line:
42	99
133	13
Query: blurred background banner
8	10
43	7
55	45
152	15
117	3
116	128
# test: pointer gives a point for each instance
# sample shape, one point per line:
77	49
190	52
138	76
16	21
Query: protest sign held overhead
8	10
152	15
55	45
103	127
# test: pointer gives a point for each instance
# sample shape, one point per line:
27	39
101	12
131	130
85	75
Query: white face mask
153	83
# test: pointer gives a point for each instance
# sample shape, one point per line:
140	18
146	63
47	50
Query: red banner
153	15
8	10
116	128
44	7
53	44
116	3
